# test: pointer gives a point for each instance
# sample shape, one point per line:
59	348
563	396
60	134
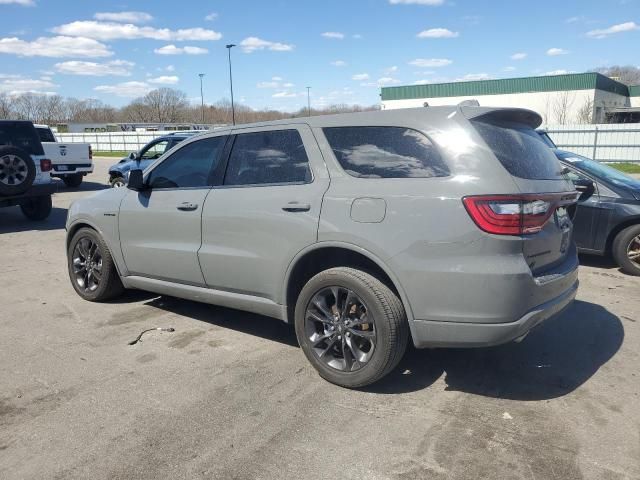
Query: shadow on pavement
553	360
597	261
12	220
85	186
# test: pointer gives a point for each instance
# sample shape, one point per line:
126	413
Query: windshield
602	171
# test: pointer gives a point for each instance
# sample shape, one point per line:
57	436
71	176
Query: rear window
46	135
385	152
520	149
22	135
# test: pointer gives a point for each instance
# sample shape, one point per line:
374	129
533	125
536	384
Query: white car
70	161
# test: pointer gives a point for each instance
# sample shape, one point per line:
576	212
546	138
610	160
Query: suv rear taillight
45	165
90	153
515	214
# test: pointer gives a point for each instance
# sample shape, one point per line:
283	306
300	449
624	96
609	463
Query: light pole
233	109
309	100
201	97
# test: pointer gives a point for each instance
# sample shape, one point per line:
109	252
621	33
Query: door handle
187	206
296	207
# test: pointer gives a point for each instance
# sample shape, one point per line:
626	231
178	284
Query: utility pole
233	109
309	100
201	97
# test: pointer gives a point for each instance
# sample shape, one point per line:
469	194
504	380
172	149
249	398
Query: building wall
548	104
634	101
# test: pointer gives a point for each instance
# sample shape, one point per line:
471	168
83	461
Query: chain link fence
605	143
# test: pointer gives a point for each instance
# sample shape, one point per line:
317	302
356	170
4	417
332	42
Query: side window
385	152
156	150
189	166
268	157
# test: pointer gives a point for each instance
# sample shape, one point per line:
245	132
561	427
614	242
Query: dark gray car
449	226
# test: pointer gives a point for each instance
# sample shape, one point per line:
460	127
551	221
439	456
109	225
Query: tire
36	208
117	182
108	286
17	171
386	317
73	181
626	243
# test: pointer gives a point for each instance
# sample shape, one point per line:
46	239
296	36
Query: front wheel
73	181
37	208
92	271
351	327
117	182
626	250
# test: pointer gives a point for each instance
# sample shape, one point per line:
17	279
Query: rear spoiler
503	115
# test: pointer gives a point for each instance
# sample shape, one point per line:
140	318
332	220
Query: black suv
25	180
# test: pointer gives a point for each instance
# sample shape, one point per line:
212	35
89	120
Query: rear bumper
427	333
62	169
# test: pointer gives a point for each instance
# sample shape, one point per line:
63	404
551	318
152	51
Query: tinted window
189	166
520	150
385	152
268	157
22	135
45	135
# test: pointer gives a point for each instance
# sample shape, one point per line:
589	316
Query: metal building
559	99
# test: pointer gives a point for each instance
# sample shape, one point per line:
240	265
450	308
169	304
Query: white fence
606	143
112	141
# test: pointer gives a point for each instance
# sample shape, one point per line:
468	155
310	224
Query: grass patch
627	167
98	153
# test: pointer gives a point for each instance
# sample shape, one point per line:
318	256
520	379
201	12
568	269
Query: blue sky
344	49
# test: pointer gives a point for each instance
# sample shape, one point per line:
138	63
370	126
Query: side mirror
133	156
136	181
583	185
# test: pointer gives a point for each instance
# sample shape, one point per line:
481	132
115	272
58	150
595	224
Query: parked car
70	161
448	225
25	180
153	150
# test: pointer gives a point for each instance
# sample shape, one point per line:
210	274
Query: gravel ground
229	395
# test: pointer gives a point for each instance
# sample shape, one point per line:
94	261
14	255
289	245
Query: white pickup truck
70	161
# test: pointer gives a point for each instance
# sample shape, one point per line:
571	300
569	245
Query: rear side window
22	135
385	152
268	158
45	135
520	150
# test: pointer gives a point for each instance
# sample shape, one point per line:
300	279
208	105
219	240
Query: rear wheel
36	208
351	327
92	271
626	250
72	181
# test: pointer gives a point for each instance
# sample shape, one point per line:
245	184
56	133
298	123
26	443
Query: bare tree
585	112
166	105
627	74
561	106
6	106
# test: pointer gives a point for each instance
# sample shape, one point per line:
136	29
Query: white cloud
24	3
76	67
211	17
288	85
381	82
619	28
360	76
422	81
124	17
284	94
357	36
339	63
55	47
334	35
430	62
554	52
126	89
128	31
165	80
170	68
519	56
438	33
509	69
391	70
173	50
558	72
268	84
17	84
417	2
469	77
251	44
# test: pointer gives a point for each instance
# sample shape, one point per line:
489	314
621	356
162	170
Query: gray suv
450	226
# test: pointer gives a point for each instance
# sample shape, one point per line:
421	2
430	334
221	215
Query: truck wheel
351	327
17	171
73	181
92	271
626	250
36	208
117	182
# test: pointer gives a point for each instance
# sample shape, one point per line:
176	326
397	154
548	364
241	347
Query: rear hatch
547	197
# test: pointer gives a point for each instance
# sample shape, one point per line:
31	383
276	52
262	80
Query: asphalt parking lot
230	395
